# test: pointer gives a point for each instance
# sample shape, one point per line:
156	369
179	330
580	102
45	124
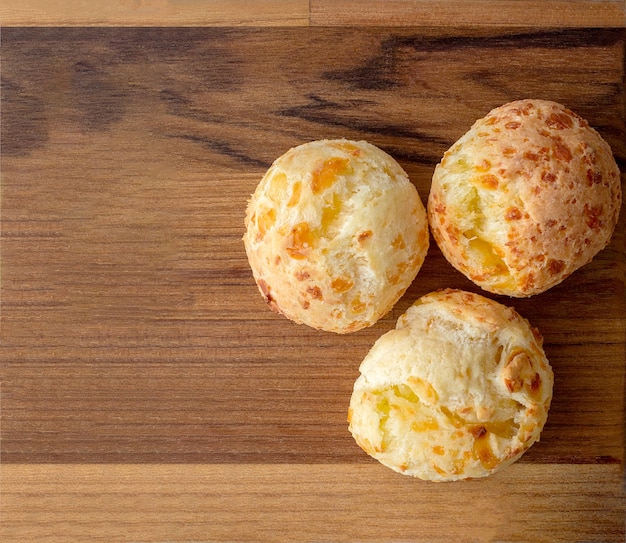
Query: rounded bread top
459	389
527	196
335	234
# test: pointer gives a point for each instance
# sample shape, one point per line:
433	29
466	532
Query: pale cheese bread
335	233
527	196
459	389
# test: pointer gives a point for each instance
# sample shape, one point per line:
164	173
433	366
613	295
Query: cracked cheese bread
335	234
527	196
459	389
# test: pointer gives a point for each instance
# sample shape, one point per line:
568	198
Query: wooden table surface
147	394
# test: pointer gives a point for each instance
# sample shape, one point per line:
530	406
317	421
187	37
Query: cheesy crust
527	196
459	389
335	234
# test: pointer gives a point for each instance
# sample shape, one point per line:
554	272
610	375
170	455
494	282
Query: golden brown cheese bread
459	389
527	196
335	234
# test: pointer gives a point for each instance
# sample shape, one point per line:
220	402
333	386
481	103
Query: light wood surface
553	13
296	503
539	13
147	394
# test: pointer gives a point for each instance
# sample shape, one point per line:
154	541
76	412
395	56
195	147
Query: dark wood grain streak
132	331
224	148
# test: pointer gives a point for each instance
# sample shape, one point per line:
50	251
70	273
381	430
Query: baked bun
460	389
527	196
335	234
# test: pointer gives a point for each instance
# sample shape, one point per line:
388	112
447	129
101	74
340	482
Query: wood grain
155	13
296	502
134	343
539	13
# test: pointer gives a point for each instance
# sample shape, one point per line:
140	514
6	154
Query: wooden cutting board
148	394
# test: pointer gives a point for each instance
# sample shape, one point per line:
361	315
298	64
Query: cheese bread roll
335	234
459	389
527	196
